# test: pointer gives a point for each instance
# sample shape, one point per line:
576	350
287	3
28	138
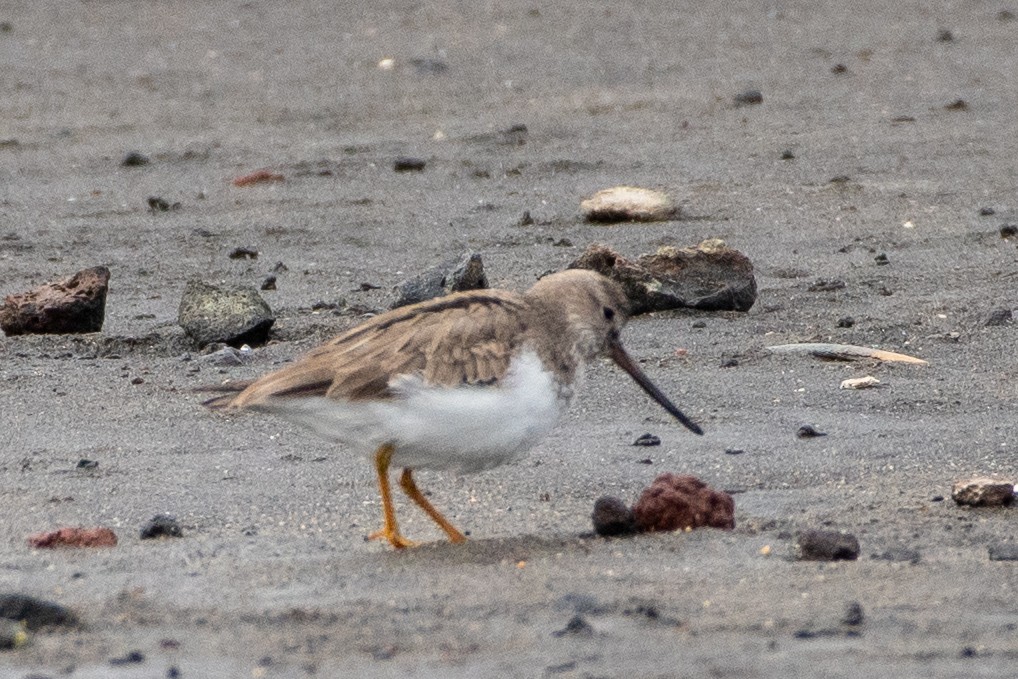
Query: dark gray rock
612	517
710	277
232	315
827	545
35	613
466	272
1003	551
161	526
74	305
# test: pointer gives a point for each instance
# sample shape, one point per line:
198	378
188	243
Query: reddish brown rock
982	492
682	501
710	277
74	537
74	305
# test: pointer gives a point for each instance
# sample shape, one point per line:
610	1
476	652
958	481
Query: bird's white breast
468	428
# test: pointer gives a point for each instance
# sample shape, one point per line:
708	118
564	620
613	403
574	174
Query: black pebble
730	363
135	159
85	463
846	322
647	440
881	259
1008	231
749	98
807	431
243	253
699	324
157	204
898	554
986	211
612	517
1004	551
269	283
131	658
734	451
161	525
787	155
407	164
854	615
576	627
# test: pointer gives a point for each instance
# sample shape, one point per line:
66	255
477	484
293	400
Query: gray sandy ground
273	577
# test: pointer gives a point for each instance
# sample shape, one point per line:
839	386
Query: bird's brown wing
464	338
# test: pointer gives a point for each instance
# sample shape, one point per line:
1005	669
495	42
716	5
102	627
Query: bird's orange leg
390	529
406	481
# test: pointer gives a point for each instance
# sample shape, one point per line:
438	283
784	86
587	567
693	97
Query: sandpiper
467	382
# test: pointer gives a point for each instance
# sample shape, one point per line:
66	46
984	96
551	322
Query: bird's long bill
619	355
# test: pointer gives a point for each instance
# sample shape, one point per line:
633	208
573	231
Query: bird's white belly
468	428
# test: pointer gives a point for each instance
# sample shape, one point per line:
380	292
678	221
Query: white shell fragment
860	382
629	204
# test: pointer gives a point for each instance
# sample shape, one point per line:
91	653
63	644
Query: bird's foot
394	537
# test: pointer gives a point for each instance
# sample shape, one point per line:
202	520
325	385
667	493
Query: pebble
36	613
807	431
1003	551
1008	230
576	627
867	382
408	164
161	526
612	517
465	272
647	440
749	98
135	159
683	502
1001	316
827	545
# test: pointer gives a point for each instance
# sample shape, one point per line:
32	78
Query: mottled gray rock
710	277
232	315
465	272
982	492
74	305
35	613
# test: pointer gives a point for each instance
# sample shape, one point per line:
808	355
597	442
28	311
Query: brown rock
711	277
983	492
74	305
74	537
681	501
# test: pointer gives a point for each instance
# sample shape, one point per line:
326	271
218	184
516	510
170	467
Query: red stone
74	305
74	537
679	502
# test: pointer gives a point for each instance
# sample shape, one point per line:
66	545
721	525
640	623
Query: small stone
854	615
73	537
130	658
846	322
161	526
85	463
36	613
612	517
698	325
258	177
1008	231
957	105
683	502
881	259
12	635
229	357
629	204
576	627
827	545
647	440
526	219
729	362
158	204
734	451
232	315
243	253
944	35
269	283
466	272
1003	551
135	159
514	135
408	164
807	431
998	317
787	155
74	305
749	98
983	492
986	211
868	382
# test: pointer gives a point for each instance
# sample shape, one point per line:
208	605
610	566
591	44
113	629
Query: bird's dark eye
609	313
